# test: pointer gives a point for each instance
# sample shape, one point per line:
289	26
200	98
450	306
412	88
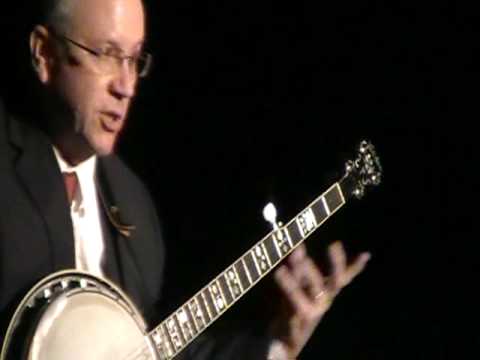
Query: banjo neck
186	323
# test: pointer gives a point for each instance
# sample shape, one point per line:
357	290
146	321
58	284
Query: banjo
59	317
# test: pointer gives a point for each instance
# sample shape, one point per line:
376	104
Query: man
88	58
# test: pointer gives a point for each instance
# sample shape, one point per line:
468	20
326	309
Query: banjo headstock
362	172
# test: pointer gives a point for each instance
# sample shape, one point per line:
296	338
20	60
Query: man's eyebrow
138	47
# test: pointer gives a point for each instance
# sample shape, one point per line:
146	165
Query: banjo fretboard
193	317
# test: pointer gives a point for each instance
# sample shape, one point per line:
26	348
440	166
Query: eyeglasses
110	60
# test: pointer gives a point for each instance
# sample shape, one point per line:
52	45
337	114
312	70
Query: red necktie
71	184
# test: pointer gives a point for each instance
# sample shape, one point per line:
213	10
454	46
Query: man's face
96	101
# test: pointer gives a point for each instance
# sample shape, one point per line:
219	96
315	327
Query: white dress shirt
85	214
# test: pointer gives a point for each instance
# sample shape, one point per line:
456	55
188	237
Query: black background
258	101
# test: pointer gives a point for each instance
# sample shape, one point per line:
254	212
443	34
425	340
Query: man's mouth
111	121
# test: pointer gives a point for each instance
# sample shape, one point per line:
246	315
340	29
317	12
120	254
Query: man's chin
104	148
104	151
102	144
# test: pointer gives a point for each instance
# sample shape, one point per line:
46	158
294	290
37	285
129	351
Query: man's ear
41	52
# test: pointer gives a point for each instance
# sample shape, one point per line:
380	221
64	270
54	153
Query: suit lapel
121	263
38	172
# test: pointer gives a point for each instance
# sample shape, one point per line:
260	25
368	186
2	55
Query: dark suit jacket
36	236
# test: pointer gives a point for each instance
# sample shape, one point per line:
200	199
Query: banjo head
77	316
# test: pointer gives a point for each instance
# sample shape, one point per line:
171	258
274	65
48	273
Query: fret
277	246
271	250
252	268
295	234
334	198
243	274
234	283
320	212
282	241
209	301
191	319
178	328
185	324
261	259
217	297
197	314
174	332
203	305
265	253
255	261
161	343
206	311
306	222
168	341
325	206
225	288
340	192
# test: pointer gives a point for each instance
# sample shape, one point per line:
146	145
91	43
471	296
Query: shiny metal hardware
270	215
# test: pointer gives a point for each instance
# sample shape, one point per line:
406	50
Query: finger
357	266
297	255
338	262
292	290
309	276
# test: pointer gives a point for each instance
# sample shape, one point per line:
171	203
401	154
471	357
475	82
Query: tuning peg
359	192
365	146
270	215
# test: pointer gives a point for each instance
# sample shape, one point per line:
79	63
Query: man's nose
124	82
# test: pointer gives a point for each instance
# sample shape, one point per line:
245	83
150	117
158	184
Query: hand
308	294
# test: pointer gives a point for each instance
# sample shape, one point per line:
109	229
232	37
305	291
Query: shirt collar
85	169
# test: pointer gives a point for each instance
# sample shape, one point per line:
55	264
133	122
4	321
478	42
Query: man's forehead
115	21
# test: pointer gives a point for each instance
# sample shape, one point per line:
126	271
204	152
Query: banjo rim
43	289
